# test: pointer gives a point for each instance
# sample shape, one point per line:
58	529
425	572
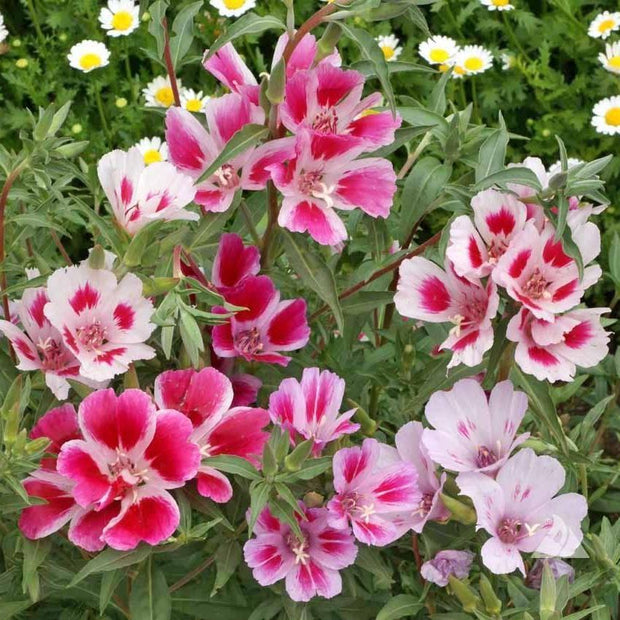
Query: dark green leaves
401	606
110	559
150	598
492	152
183	29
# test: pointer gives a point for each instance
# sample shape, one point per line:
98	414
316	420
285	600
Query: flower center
612	117
614	62
226	177
165	96
311	184
509	530
249	341
536	286
122	20
496	250
606	24
92	336
500	2
299	547
425	505
326	121
485	457
439	55
233	4
473	64
52	354
459	70
90	61
388	51
353	504
151	156
123	475
193	105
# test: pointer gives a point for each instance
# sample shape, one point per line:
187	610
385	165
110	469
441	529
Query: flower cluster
464	61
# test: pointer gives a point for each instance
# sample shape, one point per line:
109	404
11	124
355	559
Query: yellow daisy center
439	55
614	62
233	4
193	105
123	20
165	96
151	156
473	64
459	70
444	67
90	61
612	117
388	51
500	2
606	24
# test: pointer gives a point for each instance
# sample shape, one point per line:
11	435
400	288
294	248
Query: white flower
497	5
556	168
507	61
4	33
389	46
120	17
232	8
153	149
438	50
606	117
604	24
193	101
88	55
611	58
471	60
158	93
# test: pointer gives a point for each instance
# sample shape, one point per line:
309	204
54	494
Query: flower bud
120	102
313	499
277	83
466	595
96	259
328	41
491	602
460	511
296	458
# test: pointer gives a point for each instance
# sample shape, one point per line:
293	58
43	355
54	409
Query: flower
310	564
265	328
508	61
4	33
428	293
310	408
411	449
233	263
438	50
571	162
59	425
497	5
120	102
611	58
520	511
140	194
193	101
232	8
470	432
471	60
445	564
88	55
205	397
604	24
120	17
552	350
153	150
104	323
606	116
158	92
373	489
558	567
389	46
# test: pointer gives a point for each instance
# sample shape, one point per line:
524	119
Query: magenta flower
445	564
412	450
233	262
309	408
324	175
428	293
245	386
473	433
205	398
373	490
59	425
520	511
104	323
140	194
265	328
309	565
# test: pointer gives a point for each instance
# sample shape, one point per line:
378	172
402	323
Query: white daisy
438	50
508	61
153	149
120	17
88	55
4	33
232	8
556	168
193	101
611	58
606	117
389	46
471	60
604	24
497	5
158	93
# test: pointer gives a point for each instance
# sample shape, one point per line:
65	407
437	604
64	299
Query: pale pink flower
445	564
309	408
374	488
140	194
520	511
470	432
104	323
205	397
558	567
428	293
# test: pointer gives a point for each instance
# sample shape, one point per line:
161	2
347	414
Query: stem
462	95
414	156
169	65
35	21
247	216
61	247
102	116
513	37
474	98
189	576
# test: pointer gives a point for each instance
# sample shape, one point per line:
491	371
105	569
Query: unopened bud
491	602
37	445
296	458
96	259
460	511
313	499
328	41
277	83
466	595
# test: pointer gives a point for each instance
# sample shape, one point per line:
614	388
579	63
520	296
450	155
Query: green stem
247	216
474	98
513	37
104	120
462	95
413	157
35	21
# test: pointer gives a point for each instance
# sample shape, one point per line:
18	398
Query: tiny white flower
471	60
88	55
158	93
153	150
507	61
611	58
571	162
497	5
232	8
193	101
4	33
604	24
438	50
389	46
120	17
606	116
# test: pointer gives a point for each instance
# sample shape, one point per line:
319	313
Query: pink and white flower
374	488
59	425
520	511
470	432
233	262
309	565
140	194
205	397
428	293
103	322
309	408
267	327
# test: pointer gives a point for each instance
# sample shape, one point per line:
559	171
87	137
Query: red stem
169	66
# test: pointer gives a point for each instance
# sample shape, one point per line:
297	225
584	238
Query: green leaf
400	606
183	27
150	598
44	123
614	259
233	465
396	66
157	11
437	101
109	583
492	152
111	559
59	118
191	337
515	174
310	469
35	552
259	495
227	558
9	609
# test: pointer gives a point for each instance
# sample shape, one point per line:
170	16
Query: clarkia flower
233	263
59	425
445	564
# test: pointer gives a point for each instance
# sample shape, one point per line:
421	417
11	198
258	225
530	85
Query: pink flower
537	273
59	425
411	449
265	328
310	564
233	262
373	489
428	293
310	408
324	175
520	511
474	247
473	433
205	398
558	567
141	194
130	456
245	386
445	564
552	350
